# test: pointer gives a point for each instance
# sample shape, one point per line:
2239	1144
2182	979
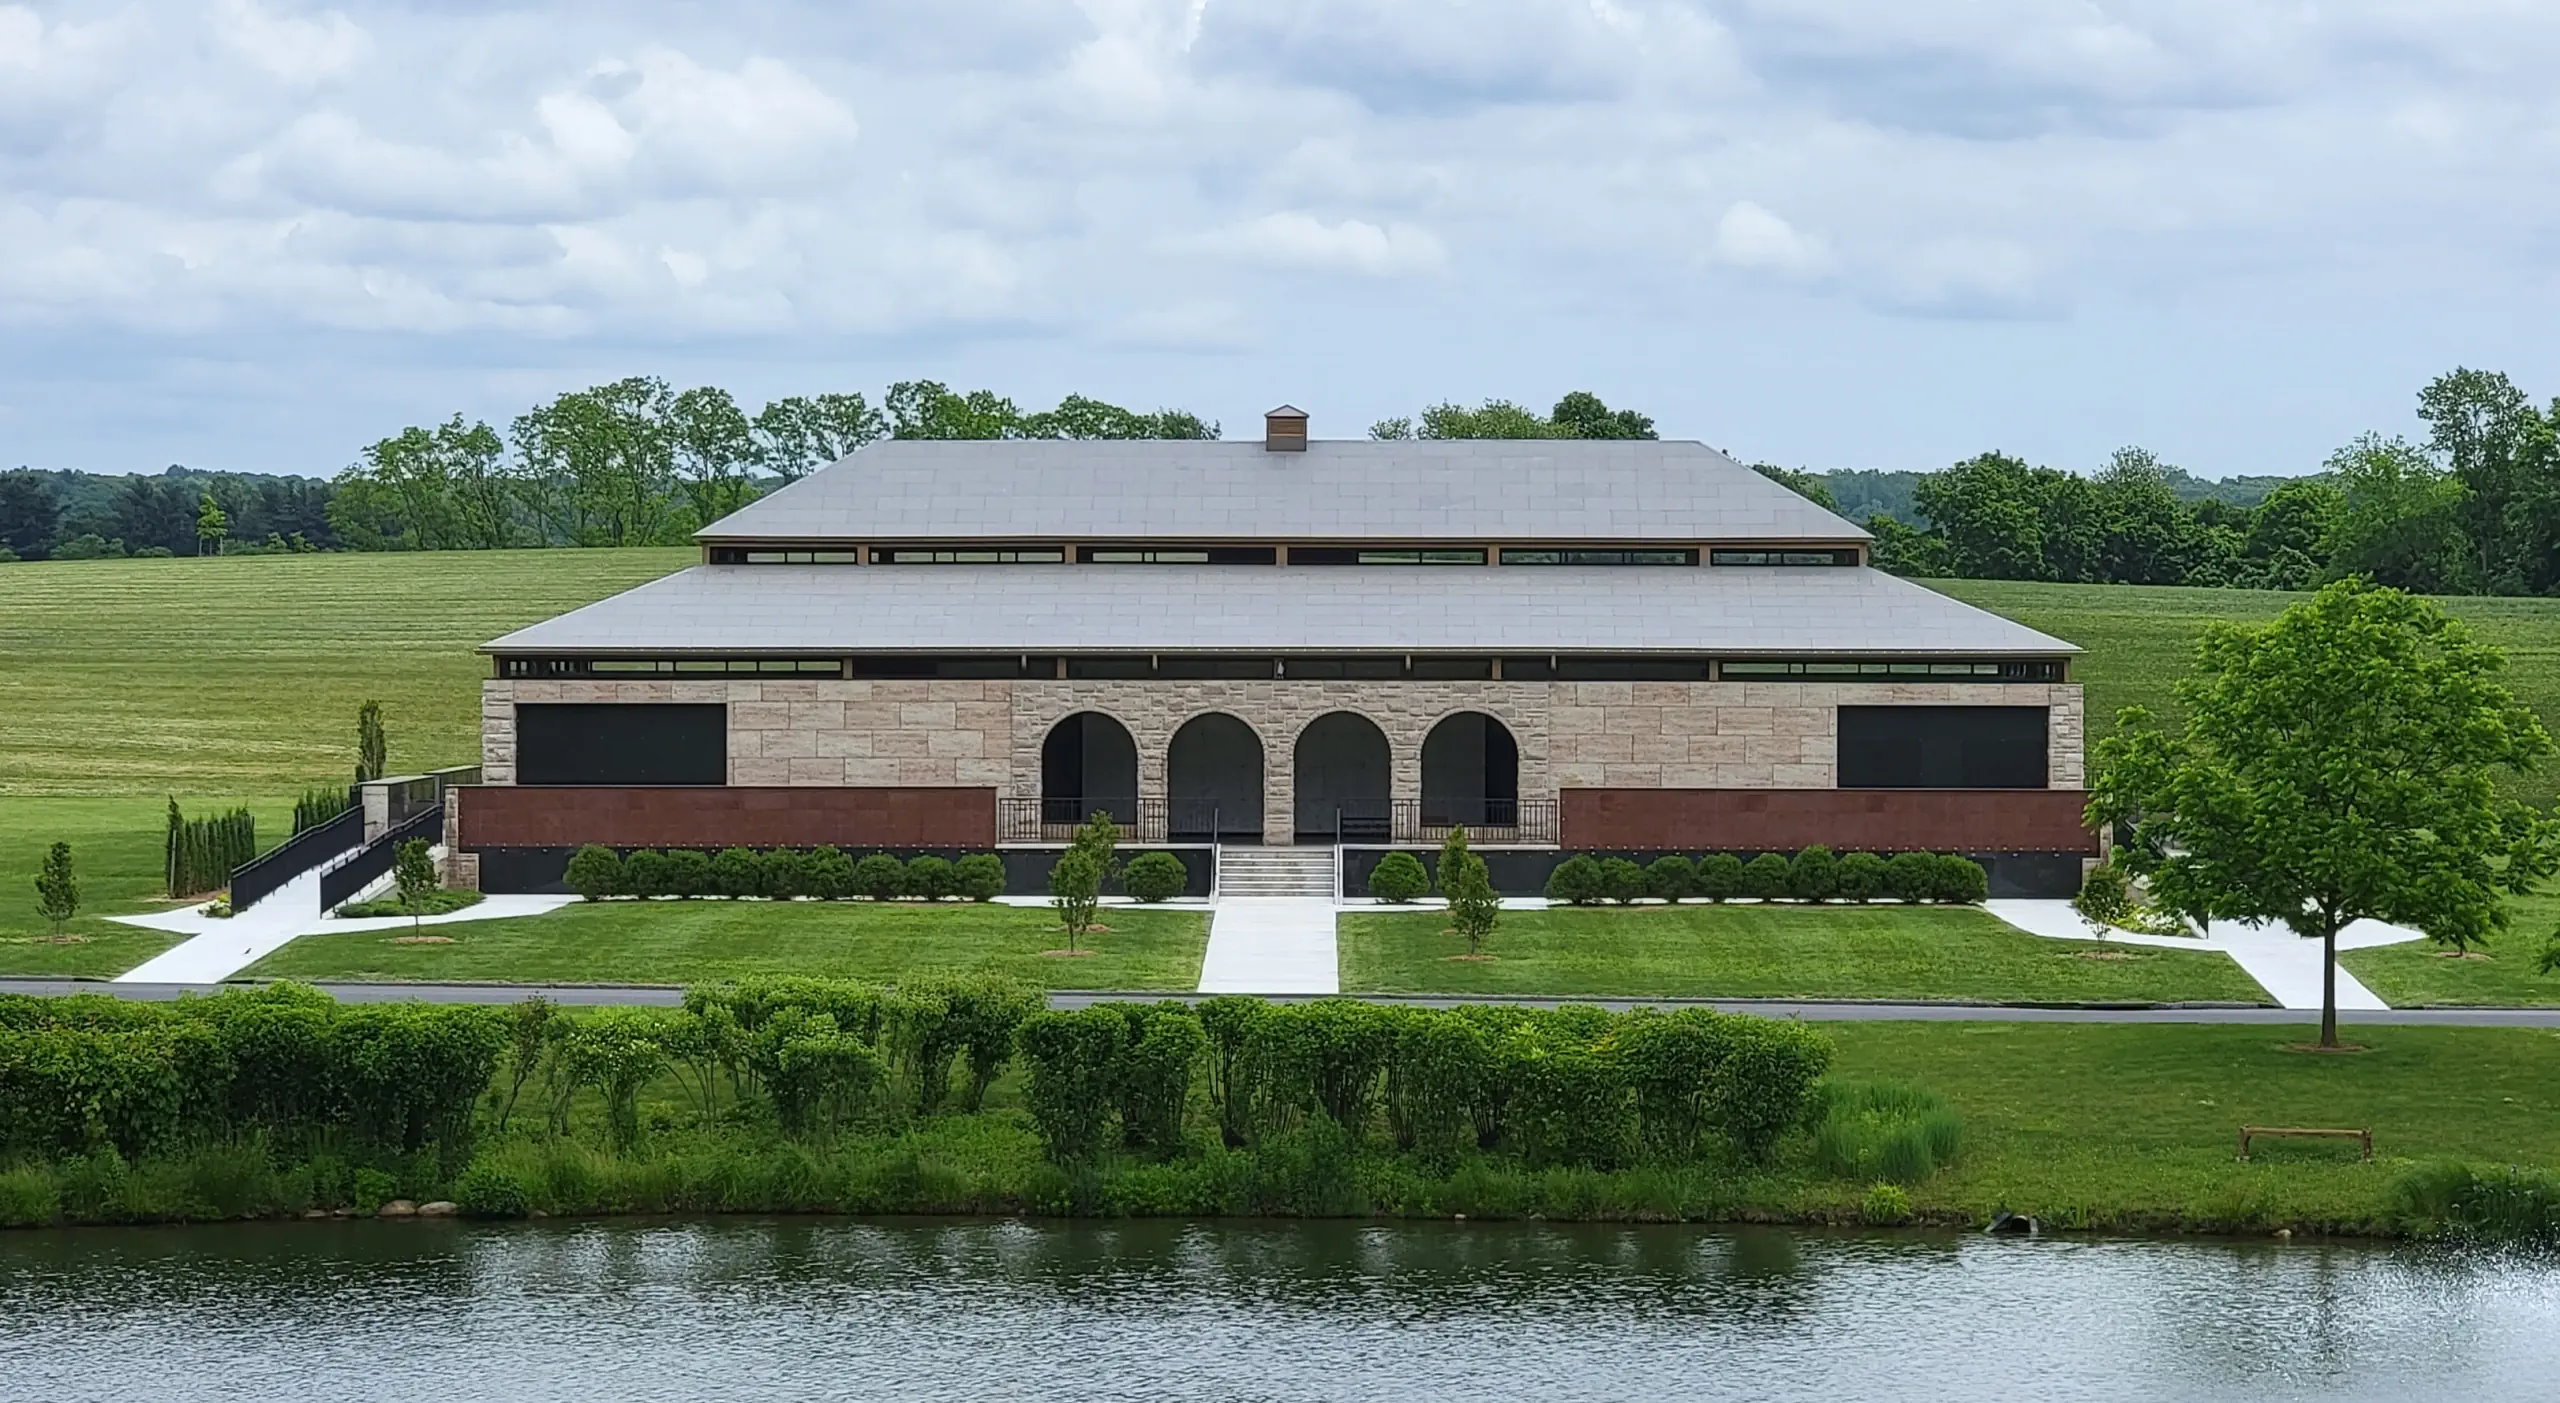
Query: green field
2505	974
116	853
1840	952
684	942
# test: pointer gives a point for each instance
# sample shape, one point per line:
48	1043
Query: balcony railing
1487	820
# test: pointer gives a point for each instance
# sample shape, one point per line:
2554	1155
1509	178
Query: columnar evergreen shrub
978	877
373	746
1576	880
1814	875
595	872
646	873
689	873
1766	877
1858	877
737	872
57	887
1720	876
880	877
1911	877
1398	878
202	852
931	877
1671	878
318	806
1153	877
1621	880
830	874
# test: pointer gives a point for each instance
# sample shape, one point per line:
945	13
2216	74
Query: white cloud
1749	236
1294	239
294	49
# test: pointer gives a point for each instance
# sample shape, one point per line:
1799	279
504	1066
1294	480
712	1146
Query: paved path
1810	1010
1271	945
2284	964
215	950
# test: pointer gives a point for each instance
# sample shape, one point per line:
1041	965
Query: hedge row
1563	1087
827	874
1815	874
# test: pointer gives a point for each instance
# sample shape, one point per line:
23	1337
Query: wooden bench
2247	1132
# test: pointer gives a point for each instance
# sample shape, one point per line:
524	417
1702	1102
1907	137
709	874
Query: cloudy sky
256	234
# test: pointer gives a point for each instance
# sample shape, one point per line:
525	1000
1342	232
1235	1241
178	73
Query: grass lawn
684	942
1881	952
243	674
2129	1126
2141	640
2503	975
116	851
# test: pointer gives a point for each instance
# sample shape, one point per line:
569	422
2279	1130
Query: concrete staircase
1281	872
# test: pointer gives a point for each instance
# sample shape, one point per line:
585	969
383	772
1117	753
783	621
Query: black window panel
1238	669
1599	557
1452	669
1383	555
1177	555
1631	669
1942	747
1782	557
1341	669
1528	669
619	743
1110	669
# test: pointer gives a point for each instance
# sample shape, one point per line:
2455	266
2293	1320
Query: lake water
361	1312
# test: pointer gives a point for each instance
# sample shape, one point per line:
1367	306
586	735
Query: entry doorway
1213	781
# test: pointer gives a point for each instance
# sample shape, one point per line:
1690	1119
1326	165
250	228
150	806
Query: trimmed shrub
486	1190
1858	877
1071	1077
689	873
1670	878
880	877
828	874
931	878
978	877
1814	875
1719	876
1154	1071
786	873
595	872
1153	877
737	872
1766	877
1398	878
645	873
1960	879
1576	880
1911	877
1621	880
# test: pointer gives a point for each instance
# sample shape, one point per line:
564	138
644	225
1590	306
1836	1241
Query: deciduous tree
57	887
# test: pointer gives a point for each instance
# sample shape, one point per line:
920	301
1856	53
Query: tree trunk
2329	987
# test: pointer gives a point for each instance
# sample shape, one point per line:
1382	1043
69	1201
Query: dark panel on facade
621	743
1942	747
1784	820
727	816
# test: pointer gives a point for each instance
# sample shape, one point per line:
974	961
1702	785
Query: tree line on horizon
2474	509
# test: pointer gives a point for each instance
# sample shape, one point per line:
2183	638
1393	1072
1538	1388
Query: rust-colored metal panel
726	816
1867	820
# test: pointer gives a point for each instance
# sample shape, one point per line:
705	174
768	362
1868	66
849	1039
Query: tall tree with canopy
2337	765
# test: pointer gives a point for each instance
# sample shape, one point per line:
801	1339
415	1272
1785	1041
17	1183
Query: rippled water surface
741	1310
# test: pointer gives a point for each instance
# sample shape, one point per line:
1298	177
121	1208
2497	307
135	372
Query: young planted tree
413	870
1473	908
57	889
373	748
2336	765
212	525
1075	888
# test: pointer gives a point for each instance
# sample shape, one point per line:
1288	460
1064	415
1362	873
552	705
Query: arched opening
1343	774
1470	773
1088	763
1213	781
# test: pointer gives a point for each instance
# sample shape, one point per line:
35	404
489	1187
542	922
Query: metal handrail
271	871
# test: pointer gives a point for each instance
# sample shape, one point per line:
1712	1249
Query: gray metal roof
744	609
1474	490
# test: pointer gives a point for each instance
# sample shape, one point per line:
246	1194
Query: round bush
1814	875
979	877
1719	876
1765	877
689	873
1398	878
828	874
488	1191
644	873
1858	877
1960	879
1911	877
1153	877
880	877
737	872
786	873
1621	880
1575	880
1670	878
931	878
595	872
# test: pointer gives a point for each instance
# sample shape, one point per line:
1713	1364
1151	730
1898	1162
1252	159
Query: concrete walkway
1271	945
215	949
2284	964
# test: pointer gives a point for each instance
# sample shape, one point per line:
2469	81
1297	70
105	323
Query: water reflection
809	1308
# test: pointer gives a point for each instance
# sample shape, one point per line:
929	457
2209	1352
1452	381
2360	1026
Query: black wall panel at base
544	871
1524	871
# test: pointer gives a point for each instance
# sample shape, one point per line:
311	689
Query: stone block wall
803	731
1758	735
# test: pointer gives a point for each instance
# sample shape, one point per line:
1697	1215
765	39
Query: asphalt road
1811	1010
